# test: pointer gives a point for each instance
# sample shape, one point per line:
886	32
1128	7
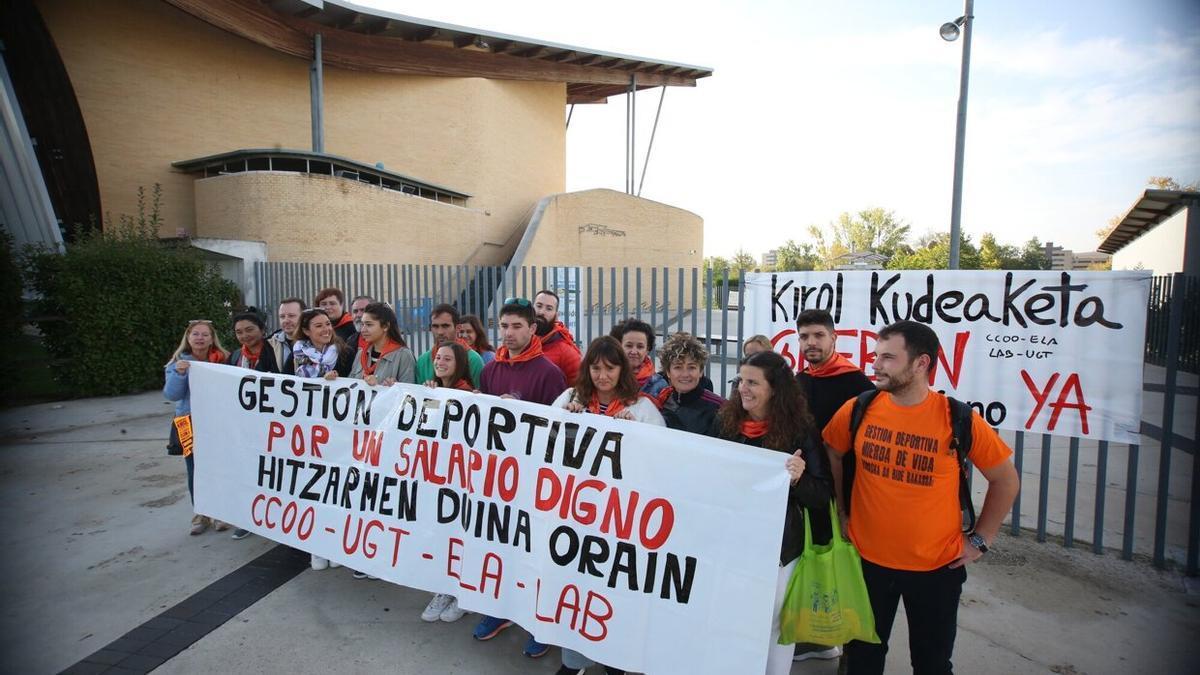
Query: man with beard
907	516
829	379
443	324
558	344
277	356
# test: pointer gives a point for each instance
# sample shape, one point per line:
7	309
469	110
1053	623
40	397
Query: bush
11	309
113	307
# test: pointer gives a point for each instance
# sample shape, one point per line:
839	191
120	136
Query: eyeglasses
522	302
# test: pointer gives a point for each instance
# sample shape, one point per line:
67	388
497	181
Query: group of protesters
804	415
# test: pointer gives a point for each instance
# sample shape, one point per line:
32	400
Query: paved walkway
96	546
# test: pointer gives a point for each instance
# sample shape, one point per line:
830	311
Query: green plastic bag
827	601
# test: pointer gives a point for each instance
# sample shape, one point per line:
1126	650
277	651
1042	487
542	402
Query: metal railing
1082	491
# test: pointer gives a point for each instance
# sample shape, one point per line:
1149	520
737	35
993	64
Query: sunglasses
193	322
520	302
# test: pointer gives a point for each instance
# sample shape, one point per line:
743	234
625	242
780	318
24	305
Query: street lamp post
949	32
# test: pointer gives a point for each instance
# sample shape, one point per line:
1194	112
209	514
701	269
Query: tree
743	261
1033	256
996	256
793	257
874	229
933	253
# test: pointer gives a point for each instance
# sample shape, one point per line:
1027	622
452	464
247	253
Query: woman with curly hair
686	403
768	410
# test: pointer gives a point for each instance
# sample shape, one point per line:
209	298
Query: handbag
826	601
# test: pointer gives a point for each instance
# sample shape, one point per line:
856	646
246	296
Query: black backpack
960	442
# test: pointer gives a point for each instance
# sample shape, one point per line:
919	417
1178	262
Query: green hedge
113	307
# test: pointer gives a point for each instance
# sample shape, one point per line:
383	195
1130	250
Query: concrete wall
156	85
1160	250
316	218
606	228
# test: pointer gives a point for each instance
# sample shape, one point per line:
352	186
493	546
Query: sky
818	108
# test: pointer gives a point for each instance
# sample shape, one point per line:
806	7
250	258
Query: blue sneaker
490	627
534	649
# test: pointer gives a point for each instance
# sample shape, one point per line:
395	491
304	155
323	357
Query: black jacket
809	494
826	394
693	411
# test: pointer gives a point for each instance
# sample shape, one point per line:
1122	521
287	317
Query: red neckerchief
615	406
364	356
753	429
561	329
836	365
346	318
464	385
645	372
663	397
214	355
362	342
251	358
531	352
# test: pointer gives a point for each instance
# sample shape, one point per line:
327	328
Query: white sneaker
319	563
439	603
334	565
452	612
823	654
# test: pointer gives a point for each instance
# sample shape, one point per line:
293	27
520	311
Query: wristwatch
977	541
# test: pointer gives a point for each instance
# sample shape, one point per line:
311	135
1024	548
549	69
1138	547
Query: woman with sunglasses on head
384	359
320	352
199	343
470	329
768	410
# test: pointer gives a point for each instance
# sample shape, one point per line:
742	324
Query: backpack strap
861	403
960	442
857	412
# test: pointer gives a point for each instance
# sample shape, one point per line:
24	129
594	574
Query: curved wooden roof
358	38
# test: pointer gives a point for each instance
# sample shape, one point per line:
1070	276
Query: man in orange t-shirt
906	519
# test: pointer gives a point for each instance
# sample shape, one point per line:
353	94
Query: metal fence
1158	321
1081	492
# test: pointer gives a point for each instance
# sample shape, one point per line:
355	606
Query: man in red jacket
558	344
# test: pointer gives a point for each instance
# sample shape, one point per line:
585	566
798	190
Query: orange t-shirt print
904	509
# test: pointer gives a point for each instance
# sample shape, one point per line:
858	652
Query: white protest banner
1042	351
644	548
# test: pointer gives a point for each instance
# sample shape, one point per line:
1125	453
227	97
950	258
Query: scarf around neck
755	429
368	363
531	352
834	366
311	362
645	372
